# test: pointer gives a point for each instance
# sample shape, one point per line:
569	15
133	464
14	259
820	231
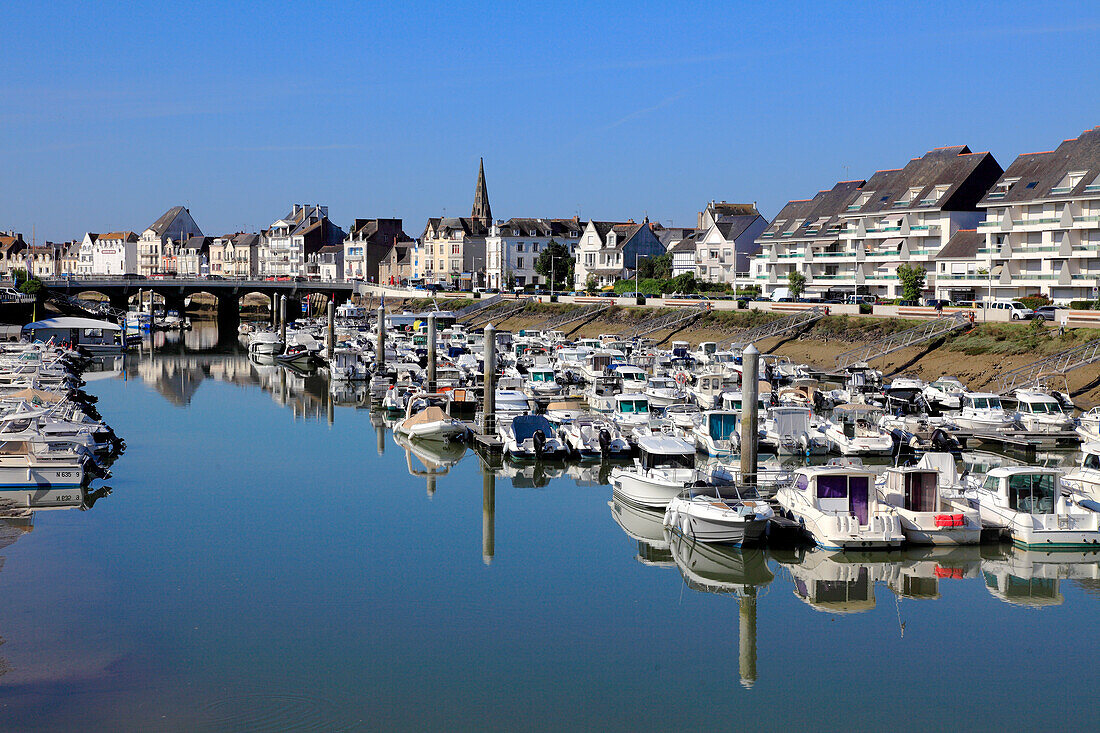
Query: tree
510	280
912	281
684	283
659	267
590	284
32	286
555	260
796	281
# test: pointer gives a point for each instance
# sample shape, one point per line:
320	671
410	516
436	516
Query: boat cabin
839	488
631	404
665	452
1025	489
913	489
100	337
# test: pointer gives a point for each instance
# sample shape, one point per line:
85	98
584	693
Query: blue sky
113	112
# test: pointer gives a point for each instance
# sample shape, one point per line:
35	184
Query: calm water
267	560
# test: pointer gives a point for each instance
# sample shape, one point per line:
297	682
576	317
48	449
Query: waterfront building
44	260
852	238
724	250
400	264
289	242
113	253
326	263
609	251
235	256
174	225
513	247
70	257
1041	234
367	243
11	253
454	247
189	258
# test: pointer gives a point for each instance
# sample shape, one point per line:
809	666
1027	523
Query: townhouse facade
1041	233
174	225
326	263
289	242
724	250
112	253
399	264
235	256
512	248
45	260
368	241
852	238
453	250
609	251
12	256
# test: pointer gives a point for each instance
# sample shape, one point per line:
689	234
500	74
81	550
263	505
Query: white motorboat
563	412
732	515
709	387
530	437
664	468
264	343
347	366
426	421
839	508
944	393
983	412
664	392
24	463
630	411
717	433
633	378
684	417
594	436
1084	480
1040	412
541	381
1088	425
928	515
790	431
1028	503
510	402
853	431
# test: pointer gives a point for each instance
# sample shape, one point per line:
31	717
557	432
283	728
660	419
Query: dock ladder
1060	363
778	327
886	345
674	320
584	313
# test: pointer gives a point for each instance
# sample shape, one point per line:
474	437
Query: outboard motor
605	441
944	442
539	439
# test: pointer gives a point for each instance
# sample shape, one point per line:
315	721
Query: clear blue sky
113	113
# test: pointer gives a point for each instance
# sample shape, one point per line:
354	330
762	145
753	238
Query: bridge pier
229	316
175	302
119	301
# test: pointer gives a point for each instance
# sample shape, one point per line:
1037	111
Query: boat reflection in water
647	527
1033	578
436	459
736	571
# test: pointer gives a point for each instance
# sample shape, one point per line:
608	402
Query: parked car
1046	313
937	302
1016	311
214	277
133	276
908	302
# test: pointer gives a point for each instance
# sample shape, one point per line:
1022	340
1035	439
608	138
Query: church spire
481	209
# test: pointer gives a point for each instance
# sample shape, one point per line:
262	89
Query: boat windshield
1045	408
1032	493
723	427
542	376
662	460
631	406
1092	460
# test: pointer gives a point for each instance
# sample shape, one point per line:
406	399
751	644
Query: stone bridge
228	293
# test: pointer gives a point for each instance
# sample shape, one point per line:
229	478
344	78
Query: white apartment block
289	241
235	256
513	247
853	237
175	225
114	253
1041	234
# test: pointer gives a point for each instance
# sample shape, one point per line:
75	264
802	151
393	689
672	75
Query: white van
1016	311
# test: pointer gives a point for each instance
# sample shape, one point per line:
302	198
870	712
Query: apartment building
235	256
513	247
609	251
454	250
112	253
289	242
174	225
725	248
1041	233
12	256
326	263
399	264
367	243
853	238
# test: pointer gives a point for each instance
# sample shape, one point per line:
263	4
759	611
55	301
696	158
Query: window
519	246
1031	493
519	263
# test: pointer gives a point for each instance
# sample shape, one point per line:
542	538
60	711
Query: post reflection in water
488	514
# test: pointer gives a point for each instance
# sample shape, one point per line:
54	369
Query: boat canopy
665	445
722	425
71	322
525	426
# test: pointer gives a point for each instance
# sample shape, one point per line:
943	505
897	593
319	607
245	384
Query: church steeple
481	209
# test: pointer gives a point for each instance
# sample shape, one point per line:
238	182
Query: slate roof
722	208
160	226
826	205
964	244
524	226
1040	173
967	176
733	227
125	236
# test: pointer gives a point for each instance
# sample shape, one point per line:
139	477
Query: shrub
1082	305
1035	301
866	309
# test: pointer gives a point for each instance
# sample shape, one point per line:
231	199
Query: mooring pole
431	352
282	319
488	401
750	391
331	334
380	354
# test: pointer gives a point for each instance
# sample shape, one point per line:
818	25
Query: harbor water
267	558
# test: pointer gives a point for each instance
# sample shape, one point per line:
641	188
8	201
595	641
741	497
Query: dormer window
861	201
935	195
1002	188
1068	182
